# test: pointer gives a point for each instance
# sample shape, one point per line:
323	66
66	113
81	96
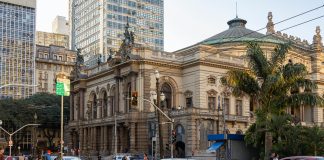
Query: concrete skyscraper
98	25
17	48
60	25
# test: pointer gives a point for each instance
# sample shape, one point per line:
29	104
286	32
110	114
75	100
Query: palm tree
272	86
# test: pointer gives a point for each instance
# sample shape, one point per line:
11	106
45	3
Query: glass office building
98	25
17	48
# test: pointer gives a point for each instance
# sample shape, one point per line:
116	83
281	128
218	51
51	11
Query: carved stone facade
190	81
51	61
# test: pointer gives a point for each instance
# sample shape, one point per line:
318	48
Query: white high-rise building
17	48
60	25
98	25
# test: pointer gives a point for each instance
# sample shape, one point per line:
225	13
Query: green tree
16	113
273	86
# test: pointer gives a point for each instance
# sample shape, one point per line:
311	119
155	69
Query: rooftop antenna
236	9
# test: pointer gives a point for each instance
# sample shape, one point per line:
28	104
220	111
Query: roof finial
236	10
270	24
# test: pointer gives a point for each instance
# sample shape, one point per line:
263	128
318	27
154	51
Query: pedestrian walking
145	156
48	155
1	153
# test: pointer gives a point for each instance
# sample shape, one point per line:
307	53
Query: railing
207	113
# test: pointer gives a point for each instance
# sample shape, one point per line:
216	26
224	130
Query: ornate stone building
50	61
190	81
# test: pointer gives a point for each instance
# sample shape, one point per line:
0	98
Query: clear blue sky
190	21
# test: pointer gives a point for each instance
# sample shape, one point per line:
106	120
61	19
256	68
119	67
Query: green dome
238	33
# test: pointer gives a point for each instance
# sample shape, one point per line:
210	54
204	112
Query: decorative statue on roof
124	52
270	25
127	44
76	72
317	40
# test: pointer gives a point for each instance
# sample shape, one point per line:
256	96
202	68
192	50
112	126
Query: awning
214	147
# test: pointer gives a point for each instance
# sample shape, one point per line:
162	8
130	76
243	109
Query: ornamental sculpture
317	40
76	72
270	25
124	52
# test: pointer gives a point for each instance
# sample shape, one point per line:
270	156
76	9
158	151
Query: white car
120	157
303	158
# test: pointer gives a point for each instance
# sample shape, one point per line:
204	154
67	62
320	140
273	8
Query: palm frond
305	98
278	56
241	82
257	60
294	71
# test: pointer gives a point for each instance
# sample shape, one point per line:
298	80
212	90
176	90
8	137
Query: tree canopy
17	113
273	86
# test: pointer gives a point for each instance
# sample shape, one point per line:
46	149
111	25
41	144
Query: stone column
72	107
91	138
122	139
80	145
191	138
95	138
102	141
132	137
113	140
105	140
85	142
81	103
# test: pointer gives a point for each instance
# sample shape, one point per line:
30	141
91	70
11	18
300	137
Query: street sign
62	87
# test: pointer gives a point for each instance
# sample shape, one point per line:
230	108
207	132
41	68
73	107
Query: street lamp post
34	136
171	120
19	150
157	76
11	134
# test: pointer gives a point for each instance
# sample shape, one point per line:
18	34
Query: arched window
239	132
111	102
211	99
239	107
180	133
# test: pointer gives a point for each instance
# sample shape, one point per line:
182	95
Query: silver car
303	158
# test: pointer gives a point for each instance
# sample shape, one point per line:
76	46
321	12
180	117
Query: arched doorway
180	146
180	149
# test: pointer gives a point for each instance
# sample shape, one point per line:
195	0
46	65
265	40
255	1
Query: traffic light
134	98
174	137
167	147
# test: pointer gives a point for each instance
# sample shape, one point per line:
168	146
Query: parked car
120	157
66	158
303	158
12	158
177	159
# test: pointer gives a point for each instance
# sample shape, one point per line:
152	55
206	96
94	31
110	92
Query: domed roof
238	33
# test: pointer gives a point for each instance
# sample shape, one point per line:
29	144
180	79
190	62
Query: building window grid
10	72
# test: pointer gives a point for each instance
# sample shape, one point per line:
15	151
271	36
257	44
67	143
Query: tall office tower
17	48
98	25
60	25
